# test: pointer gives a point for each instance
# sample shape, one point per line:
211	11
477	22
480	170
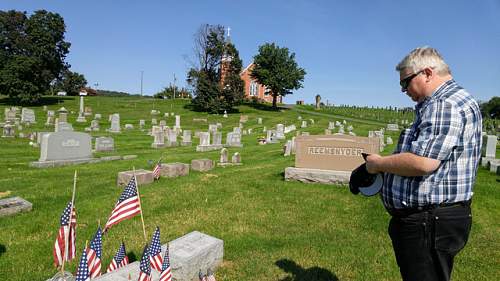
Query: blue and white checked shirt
448	128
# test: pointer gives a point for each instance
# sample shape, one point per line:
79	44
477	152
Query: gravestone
237	130
243	118
217	139
143	177
115	123
280	132
271	137
304	124
225	114
223	160
202	165
205	144
171	170
186	138
163	123
97	116
27	116
312	121
341	130
259	121
142	123
212	128
50	118
177	122
331	125
104	144
389	140
328	132
236	159
8	131
153	121
10	114
14	205
81	116
94	125
290	128
159	137
129	127
64	148
171	138
329	159
63	127
392	127
288	148
233	139
87	111
488	149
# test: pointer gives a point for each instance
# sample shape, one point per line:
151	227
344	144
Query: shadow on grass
132	257
2	249
265	107
191	107
298	273
43	101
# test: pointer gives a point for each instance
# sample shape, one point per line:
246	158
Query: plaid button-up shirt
448	128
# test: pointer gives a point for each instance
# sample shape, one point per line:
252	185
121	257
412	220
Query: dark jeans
426	242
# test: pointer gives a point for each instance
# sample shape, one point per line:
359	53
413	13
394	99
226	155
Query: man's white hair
423	57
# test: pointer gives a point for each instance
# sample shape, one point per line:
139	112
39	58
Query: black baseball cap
364	182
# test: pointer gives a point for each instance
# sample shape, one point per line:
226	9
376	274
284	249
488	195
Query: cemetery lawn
272	229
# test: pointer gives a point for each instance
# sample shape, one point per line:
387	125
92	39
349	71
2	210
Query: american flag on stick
64	247
128	205
83	273
155	251
94	254
145	266
157	170
166	274
120	259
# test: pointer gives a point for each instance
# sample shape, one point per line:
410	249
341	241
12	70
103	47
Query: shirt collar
437	93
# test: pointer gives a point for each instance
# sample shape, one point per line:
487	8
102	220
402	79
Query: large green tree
491	109
32	53
214	76
277	69
71	82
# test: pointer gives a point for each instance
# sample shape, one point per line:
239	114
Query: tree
491	109
71	82
32	53
277	70
215	76
170	91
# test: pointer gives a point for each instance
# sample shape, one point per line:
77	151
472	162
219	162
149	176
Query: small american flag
66	237
119	260
94	254
210	275
155	251
157	170
145	273
83	273
127	205
166	274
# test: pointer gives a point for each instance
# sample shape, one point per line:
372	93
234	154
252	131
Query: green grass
272	229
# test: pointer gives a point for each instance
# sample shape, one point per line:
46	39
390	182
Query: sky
349	48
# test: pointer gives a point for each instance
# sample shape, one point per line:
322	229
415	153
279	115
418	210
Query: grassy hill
272	229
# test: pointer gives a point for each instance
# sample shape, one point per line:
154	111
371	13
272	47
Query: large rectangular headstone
27	115
336	152
65	146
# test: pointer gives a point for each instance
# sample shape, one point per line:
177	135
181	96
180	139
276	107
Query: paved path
293	107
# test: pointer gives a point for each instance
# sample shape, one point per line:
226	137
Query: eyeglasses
406	81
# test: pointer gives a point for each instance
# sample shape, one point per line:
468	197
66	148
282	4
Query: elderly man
429	178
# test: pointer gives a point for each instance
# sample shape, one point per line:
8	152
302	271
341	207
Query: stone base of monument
57	163
202	165
143	177
189	254
203	148
186	143
171	170
14	205
317	176
157	145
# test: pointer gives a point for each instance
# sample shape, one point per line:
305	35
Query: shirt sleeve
439	131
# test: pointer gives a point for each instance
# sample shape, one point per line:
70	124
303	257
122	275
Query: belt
400	213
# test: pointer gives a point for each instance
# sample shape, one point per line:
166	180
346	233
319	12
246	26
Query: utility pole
174	85
142	74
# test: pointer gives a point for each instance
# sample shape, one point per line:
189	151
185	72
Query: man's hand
372	163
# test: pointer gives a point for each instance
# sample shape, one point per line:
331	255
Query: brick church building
254	89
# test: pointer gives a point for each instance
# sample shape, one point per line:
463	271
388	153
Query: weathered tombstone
236	159
223	156
10	114
392	127
243	118
312	121
341	130
27	115
259	121
271	137
171	138
163	123
350	128
217	138
488	150
115	123
94	125
14	205
233	139
44	108
155	112
159	137
143	177
202	165
264	129
186	138
174	170
299	117
280	132
290	128
177	122
97	116
104	144
87	111
329	159
61	148
328	132
8	131
237	130
293	146
212	128
304	124
288	148
142	123
129	127
50	118
153	121
331	125
389	140
63	127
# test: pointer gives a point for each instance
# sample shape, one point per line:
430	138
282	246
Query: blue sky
348	48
